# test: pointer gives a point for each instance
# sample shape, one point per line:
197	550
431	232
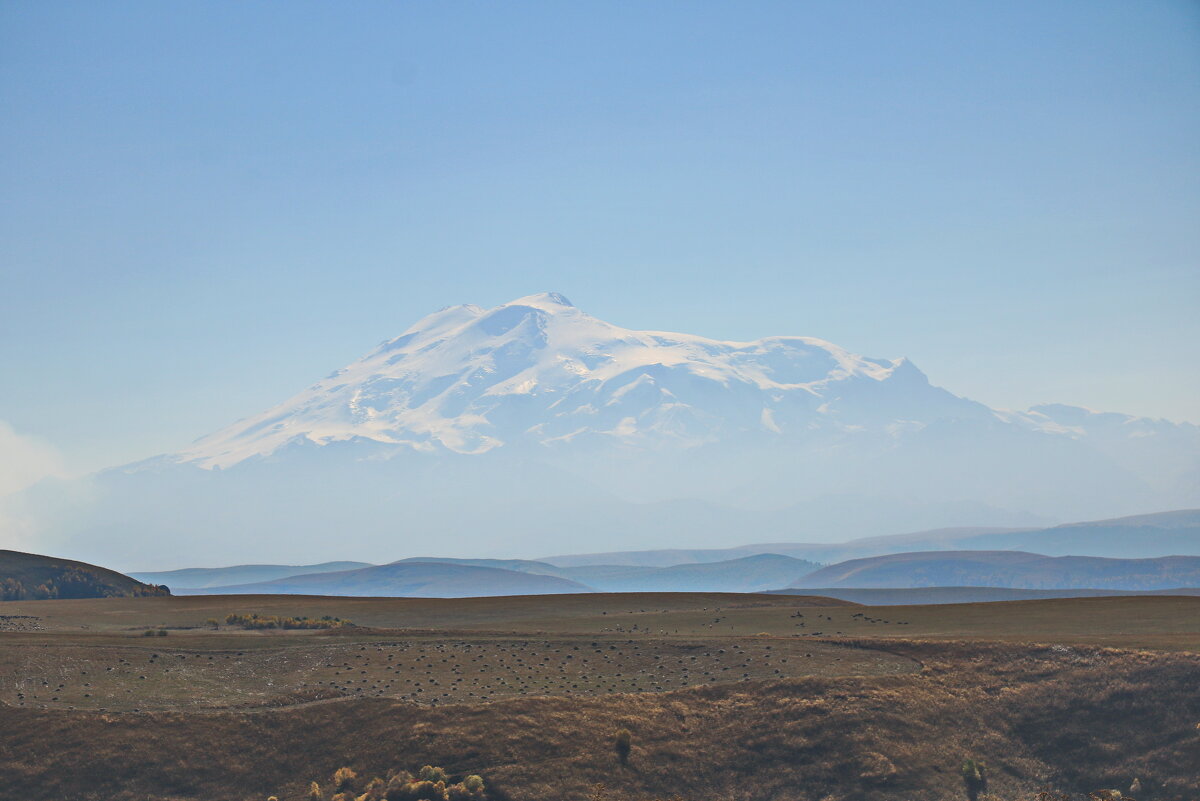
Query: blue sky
206	206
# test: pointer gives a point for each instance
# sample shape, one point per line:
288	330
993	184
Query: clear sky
206	206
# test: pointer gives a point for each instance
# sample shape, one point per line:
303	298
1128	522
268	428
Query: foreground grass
1074	718
888	706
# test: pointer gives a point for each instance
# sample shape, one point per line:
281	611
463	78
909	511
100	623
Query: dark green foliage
344	779
431	774
257	621
31	577
974	778
623	744
431	784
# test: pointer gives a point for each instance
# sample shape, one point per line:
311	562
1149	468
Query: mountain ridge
408	579
532	418
1011	569
455	378
31	576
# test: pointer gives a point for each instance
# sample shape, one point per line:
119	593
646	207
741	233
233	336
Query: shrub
344	779
469	789
431	784
623	744
397	786
374	791
257	621
974	778
431	774
425	790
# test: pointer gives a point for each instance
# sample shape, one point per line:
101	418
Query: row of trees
430	784
70	583
257	621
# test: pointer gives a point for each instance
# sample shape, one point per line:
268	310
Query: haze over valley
490	431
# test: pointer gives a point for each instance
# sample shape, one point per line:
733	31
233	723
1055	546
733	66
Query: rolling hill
407	579
1158	534
1007	569
904	596
202	577
747	574
28	576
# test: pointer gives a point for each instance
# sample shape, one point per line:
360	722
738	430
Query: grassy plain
728	696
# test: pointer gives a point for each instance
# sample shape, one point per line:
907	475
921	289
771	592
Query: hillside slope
28	576
1007	569
746	574
408	579
203	577
907	596
1170	533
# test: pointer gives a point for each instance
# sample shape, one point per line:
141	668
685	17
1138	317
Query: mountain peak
538	370
547	301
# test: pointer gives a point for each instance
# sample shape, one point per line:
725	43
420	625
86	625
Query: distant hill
519	565
446	578
963	595
1162	534
1007	569
407	579
1158	534
28	576
666	557
203	577
747	574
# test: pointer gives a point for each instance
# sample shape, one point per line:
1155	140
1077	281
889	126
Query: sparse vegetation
623	744
257	621
430	784
1074	715
974	775
32	577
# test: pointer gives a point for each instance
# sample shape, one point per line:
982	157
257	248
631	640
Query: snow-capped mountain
538	370
533	428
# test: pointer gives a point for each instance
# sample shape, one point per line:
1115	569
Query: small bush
257	621
623	744
974	778
374	791
344	779
431	774
431	784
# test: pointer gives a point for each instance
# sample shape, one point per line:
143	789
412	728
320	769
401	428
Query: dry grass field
727	696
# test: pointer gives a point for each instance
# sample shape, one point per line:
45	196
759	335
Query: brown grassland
739	697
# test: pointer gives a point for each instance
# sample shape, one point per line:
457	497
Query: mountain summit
540	371
534	427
